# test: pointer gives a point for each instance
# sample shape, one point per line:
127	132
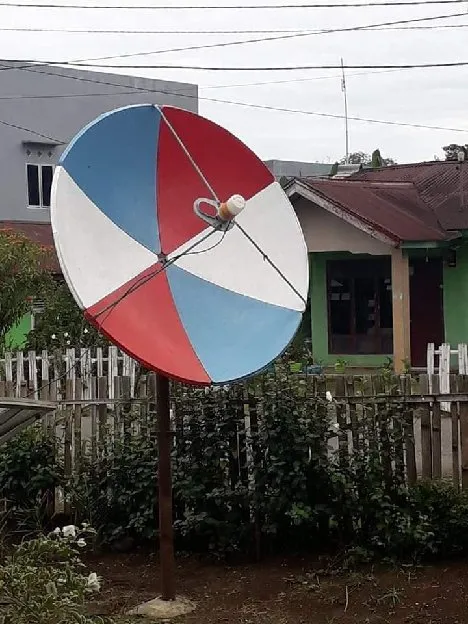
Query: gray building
294	169
43	107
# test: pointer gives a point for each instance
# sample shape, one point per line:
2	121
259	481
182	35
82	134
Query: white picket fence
28	372
25	373
439	363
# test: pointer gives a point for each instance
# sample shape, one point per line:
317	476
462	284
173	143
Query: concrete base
163	610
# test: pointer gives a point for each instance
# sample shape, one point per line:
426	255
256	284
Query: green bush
268	487
29	472
43	580
116	494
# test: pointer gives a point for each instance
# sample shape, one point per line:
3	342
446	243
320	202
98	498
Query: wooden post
401	310
436	432
426	434
462	389
166	536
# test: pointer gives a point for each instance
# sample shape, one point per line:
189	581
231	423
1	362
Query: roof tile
396	209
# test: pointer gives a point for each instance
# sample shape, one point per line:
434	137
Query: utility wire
246	104
285	68
293	80
215	32
236	7
83	62
58	96
225	44
39	134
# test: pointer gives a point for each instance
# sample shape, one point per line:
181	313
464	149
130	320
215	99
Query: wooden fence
441	361
365	413
46	374
97	389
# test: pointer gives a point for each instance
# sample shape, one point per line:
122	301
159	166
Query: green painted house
388	253
41	233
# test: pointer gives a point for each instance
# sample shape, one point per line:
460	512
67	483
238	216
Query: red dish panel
145	323
228	165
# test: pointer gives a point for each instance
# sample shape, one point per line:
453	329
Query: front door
426	307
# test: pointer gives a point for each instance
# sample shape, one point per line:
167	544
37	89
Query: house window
39	179
37	309
360	306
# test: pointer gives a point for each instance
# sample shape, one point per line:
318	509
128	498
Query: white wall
324	231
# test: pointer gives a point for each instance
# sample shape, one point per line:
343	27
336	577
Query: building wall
455	298
74	98
328	237
16	337
325	232
295	169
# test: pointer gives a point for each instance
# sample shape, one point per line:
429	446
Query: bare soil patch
290	590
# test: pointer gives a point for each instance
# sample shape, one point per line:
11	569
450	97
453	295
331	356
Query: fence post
408	429
426	437
68	440
463	389
436	432
455	437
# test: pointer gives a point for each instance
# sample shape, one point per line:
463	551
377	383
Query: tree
24	273
62	324
453	150
362	158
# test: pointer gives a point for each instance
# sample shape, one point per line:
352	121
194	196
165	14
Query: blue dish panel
233	336
113	161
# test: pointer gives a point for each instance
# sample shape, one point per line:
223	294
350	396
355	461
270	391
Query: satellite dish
178	244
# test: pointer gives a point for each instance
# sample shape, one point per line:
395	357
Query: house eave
298	188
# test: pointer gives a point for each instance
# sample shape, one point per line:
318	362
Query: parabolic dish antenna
178	244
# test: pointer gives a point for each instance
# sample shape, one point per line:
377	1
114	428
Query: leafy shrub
260	478
117	493
29	472
43	580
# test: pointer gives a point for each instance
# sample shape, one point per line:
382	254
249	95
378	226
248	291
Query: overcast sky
421	96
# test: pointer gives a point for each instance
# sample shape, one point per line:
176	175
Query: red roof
442	185
39	233
394	209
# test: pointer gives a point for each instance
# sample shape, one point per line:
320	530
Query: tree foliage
24	273
362	158
453	150
62	323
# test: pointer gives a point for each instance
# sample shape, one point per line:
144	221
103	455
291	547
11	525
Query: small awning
17	414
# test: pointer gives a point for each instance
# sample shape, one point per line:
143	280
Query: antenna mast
343	88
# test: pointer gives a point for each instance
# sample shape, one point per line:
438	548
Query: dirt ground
287	591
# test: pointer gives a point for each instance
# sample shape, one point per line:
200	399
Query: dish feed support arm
225	211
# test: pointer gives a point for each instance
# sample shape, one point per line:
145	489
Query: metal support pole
166	534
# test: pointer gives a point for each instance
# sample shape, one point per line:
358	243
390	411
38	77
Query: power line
293	80
39	134
81	62
327	31
182	92
59	96
255	68
214	32
249	105
381	3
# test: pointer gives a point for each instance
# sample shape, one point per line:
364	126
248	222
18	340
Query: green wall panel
456	299
16	337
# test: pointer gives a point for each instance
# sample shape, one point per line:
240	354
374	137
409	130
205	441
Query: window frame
40	167
378	268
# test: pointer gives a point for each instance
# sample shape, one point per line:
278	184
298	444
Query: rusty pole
166	533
